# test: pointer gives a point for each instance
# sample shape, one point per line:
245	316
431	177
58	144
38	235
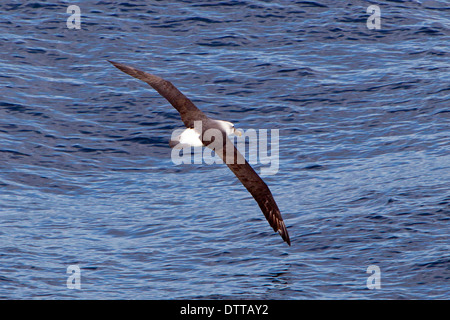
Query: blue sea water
86	177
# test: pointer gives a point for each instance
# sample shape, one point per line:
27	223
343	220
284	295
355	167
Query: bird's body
189	137
193	136
204	131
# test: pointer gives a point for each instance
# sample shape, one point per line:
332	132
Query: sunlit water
86	176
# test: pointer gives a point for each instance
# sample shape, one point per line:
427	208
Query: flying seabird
190	115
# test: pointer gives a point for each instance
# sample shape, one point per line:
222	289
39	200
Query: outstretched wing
188	111
255	185
242	169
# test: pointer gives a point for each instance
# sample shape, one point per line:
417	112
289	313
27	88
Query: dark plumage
229	154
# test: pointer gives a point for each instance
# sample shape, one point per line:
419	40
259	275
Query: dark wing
255	185
243	171
188	111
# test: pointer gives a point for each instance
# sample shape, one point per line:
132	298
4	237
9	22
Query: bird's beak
237	132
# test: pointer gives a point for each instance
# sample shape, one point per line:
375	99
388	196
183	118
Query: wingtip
115	64
286	239
284	234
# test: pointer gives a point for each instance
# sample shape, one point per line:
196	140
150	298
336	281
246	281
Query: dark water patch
15	154
221	4
311	4
314	167
14	107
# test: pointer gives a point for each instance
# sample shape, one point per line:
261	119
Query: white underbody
191	137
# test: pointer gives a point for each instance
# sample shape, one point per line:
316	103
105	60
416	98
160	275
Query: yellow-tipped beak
237	132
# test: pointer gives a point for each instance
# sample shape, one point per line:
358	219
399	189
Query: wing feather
255	185
188	111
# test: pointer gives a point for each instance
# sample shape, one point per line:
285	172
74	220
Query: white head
229	128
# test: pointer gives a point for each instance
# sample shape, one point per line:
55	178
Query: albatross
191	115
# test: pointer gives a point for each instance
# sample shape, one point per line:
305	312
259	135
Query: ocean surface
87	179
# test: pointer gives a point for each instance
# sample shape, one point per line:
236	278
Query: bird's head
229	128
